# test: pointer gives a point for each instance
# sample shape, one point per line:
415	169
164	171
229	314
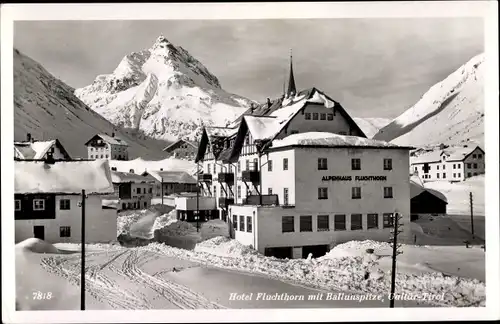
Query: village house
48	201
170	182
296	175
132	191
182	149
103	146
453	164
32	149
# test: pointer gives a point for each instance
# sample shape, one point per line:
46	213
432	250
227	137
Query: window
242	223
38	204
235	222
475	173
322	164
387	164
479	156
247	165
322	193
64	204
135	205
308	116
356	164
17	205
91	149
475	165
458	175
330	116
285	164
339	223
356	192
138	190
454	175
285	196
145	205
444	166
215	190
444	175
388	220
372	221
437	166
150	190
270	165
474	156
356	222
269	191
437	175
249	224
221	191
287	224
255	165
247	140
323	223
387	192
459	166
323	116
106	156
64	231
239	191
239	166
469	174
469	165
454	166
415	168
315	116
306	224
102	156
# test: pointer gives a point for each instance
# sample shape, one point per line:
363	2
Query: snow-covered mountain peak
163	91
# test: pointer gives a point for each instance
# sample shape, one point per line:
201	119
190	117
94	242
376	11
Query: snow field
344	269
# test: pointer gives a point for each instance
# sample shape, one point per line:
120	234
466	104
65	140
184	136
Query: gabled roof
62	177
452	153
108	139
213	136
171	176
127	177
417	189
36	150
176	144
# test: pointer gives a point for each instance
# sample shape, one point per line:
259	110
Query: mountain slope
451	112
370	126
164	92
47	108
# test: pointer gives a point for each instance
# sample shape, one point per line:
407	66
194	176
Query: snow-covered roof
416	188
34	150
220	131
176	143
262	127
62	177
172	176
453	153
125	177
111	140
139	165
324	139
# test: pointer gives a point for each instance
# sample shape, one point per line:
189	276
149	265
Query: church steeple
291	80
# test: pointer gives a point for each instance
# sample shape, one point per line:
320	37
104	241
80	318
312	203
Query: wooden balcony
224	202
226	177
251	176
205	177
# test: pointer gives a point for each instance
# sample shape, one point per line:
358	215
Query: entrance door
39	232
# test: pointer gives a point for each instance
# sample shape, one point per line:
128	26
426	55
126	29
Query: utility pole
395	253
197	196
82	283
471	214
161	184
260	179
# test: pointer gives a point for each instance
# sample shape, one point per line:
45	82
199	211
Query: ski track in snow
126	265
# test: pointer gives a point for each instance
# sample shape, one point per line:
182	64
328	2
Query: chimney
28	137
269	103
131	170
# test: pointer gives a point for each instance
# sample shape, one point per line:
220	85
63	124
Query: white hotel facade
298	176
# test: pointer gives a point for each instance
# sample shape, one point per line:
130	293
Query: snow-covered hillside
47	108
163	91
451	112
370	126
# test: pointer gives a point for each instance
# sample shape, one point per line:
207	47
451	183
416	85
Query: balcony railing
250	176
205	177
226	177
224	202
266	200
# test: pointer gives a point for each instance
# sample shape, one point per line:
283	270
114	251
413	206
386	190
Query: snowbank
214	228
126	220
37	246
334	272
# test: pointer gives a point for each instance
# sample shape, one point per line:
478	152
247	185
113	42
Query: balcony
250	176
205	177
266	200
224	202
226	177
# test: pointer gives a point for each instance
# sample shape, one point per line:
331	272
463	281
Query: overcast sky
374	67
